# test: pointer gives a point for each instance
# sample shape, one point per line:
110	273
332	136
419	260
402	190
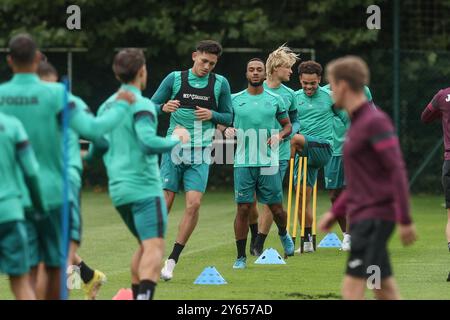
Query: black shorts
446	182
369	248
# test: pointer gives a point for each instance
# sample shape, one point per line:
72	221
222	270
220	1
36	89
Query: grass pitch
420	270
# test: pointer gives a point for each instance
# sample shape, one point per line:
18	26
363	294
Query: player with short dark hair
197	100
314	140
256	164
278	69
376	196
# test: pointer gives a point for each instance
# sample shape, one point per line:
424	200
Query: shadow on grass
303	296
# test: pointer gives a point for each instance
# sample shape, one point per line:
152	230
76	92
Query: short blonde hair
283	56
351	69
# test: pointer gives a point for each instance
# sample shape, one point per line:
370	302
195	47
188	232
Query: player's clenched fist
326	222
203	114
407	234
230	133
171	106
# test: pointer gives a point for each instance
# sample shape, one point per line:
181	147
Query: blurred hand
274	140
326	222
83	153
230	133
203	114
182	134
408	234
171	106
126	96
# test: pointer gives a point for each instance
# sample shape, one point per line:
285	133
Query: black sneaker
448	278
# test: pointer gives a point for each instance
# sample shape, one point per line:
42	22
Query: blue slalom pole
65	208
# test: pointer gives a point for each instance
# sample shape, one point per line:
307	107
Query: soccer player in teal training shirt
92	279
16	158
133	172
256	112
315	138
197	100
334	170
39	105
279	69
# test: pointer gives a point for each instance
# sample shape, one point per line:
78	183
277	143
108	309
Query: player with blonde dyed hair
279	61
278	70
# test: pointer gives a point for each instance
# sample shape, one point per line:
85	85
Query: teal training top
341	125
39	105
288	96
256	120
316	114
16	158
201	132
132	157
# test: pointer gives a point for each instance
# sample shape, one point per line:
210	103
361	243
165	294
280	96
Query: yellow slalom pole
314	208
291	180
297	198
305	177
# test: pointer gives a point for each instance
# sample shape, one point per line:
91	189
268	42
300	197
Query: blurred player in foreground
92	279
377	196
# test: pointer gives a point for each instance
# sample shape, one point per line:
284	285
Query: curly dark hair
310	67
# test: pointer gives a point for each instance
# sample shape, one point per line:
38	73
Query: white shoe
167	271
346	243
308	247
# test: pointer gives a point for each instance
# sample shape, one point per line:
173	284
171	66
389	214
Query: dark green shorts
334	173
75	212
14	255
45	239
146	219
189	168
284	165
318	152
265	182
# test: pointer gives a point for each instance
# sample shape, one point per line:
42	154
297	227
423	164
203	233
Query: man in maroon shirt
439	108
377	193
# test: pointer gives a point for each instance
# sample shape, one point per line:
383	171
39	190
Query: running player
92	279
38	105
133	172
334	170
315	138
279	69
16	158
197	100
376	196
439	108
256	165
